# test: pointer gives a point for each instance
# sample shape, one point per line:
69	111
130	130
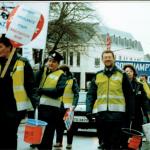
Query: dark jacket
127	91
8	103
141	104
75	89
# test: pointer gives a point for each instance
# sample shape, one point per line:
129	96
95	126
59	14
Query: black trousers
50	115
100	139
61	127
8	129
110	133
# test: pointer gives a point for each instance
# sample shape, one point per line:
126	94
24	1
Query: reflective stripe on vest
68	95
51	82
49	101
109	93
22	100
43	77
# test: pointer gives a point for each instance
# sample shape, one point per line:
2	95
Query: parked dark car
80	119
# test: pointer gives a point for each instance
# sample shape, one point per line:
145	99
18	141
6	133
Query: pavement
145	145
81	142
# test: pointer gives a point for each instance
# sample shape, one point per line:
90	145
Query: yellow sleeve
147	89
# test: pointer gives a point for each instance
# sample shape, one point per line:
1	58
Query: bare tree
71	24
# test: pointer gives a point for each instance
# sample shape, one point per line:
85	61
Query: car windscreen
82	97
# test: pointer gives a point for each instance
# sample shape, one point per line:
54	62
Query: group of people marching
115	97
52	90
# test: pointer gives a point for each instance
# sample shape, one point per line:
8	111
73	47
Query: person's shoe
69	146
57	145
99	147
33	145
144	139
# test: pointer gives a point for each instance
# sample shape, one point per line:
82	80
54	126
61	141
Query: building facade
85	60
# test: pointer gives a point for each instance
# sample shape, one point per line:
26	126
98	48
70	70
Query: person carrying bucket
52	82
110	97
18	94
141	100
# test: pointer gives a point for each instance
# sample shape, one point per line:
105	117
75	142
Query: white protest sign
43	7
40	41
23	25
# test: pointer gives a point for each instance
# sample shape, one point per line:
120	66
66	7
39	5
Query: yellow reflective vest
109	93
50	82
146	89
20	95
68	95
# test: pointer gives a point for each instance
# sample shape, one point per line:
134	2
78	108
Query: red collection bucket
134	138
34	130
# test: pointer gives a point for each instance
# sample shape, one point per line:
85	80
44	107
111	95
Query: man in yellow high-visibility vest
110	98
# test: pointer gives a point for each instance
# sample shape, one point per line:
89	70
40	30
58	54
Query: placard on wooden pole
8	62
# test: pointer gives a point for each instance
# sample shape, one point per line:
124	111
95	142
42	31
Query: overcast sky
132	17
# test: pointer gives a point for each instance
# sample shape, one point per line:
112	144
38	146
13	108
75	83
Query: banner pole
8	62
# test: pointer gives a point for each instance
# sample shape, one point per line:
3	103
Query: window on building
119	57
64	55
122	42
130	43
113	39
37	55
71	58
78	58
77	75
135	44
119	40
125	42
97	62
116	40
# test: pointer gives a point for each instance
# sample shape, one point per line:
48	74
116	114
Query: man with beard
110	98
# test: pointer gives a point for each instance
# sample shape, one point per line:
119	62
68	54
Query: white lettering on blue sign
141	67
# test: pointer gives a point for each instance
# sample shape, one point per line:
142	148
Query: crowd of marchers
117	99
